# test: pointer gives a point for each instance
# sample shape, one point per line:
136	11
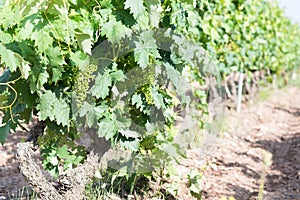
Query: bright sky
292	8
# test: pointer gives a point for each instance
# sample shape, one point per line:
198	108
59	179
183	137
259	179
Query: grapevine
128	68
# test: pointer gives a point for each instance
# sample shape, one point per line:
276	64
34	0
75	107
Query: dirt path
11	180
236	165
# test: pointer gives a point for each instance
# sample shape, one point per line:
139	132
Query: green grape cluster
82	85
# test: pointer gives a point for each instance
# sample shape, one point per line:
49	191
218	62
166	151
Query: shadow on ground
283	179
12	183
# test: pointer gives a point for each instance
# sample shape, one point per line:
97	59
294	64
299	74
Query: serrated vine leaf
14	60
115	31
24	66
117	76
42	40
62	112
9	17
63	152
56	74
84	42
80	59
42	79
145	47
130	134
155	9
59	7
131	145
92	112
55	109
101	87
107	128
5	38
8	57
26	31
55	56
57	61
85	108
100	110
136	7
178	81
39	78
137	100
157	98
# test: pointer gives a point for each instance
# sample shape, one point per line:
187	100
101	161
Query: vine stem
55	32
240	90
15	99
67	26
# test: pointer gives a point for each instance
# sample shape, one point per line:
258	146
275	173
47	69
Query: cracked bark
70	185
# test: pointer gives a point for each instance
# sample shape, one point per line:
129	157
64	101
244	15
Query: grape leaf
14	60
115	31
42	40
85	109
24	66
56	73
136	7
57	61
26	31
137	99
55	56
91	112
4	130
53	108
145	47
54	160
8	57
129	133
117	76
84	42
42	79
88	111
63	152
62	111
157	98
38	78
107	128
77	160
9	16
79	58
131	145
155	10
5	37
46	106
101	87
57	7
178	81
100	110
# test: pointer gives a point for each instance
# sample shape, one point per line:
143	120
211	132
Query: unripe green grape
82	84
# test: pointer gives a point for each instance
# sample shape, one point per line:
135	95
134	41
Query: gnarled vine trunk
69	186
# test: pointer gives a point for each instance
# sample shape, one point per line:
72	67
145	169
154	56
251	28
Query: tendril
15	98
